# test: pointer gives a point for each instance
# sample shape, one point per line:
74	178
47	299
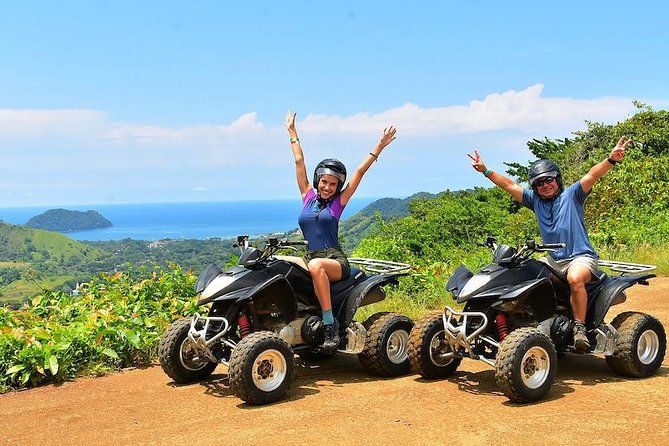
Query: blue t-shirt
561	220
320	226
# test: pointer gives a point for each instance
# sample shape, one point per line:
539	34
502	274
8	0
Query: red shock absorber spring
244	326
502	326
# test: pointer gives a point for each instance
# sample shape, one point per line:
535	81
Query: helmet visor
327	171
552	174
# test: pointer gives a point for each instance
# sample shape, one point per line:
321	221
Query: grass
20	290
648	255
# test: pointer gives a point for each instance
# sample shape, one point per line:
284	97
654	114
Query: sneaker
331	341
581	343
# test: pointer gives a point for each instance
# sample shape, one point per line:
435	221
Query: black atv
517	318
262	311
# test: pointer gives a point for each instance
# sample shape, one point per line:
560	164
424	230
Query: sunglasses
540	182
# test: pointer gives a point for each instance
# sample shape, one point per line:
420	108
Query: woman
323	204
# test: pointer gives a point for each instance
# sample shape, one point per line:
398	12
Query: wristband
612	161
294	140
487	173
376	158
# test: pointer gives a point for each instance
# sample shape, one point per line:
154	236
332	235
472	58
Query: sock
328	319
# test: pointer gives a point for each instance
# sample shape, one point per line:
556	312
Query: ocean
201	220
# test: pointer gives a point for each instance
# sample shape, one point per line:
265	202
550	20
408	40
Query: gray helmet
541	169
331	166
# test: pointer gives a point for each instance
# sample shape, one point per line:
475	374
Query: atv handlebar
545	247
276	242
523	252
252	256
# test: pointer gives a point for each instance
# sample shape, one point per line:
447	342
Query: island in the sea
63	220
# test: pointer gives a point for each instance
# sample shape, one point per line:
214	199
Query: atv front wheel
179	360
641	345
262	367
429	352
385	351
526	364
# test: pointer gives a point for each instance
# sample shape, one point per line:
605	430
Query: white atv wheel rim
436	350
189	358
535	367
269	370
396	348
648	347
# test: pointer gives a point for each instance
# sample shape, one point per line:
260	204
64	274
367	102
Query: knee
576	281
315	267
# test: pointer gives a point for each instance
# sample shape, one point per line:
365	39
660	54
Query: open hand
388	136
290	121
477	162
618	152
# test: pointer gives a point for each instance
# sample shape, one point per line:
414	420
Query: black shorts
334	254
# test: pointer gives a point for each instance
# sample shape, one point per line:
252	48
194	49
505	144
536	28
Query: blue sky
160	101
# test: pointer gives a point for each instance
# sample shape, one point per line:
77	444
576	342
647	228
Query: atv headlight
474	284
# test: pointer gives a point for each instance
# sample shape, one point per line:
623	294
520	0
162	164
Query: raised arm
505	183
602	168
387	137
300	168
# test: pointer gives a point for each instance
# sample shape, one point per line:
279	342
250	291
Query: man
559	213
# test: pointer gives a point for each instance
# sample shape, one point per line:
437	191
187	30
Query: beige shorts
564	265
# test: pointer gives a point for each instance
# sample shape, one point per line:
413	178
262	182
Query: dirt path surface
337	402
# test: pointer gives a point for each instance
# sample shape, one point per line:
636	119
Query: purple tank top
320	226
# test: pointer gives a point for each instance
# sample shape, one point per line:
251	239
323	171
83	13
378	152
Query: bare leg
578	276
324	271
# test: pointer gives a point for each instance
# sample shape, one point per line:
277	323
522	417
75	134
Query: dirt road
336	402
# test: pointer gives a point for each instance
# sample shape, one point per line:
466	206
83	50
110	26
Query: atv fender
458	280
278	287
365	290
609	290
538	292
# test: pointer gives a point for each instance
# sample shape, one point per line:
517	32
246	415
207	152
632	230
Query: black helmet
541	169
332	167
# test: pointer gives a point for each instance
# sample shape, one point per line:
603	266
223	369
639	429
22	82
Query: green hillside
368	219
33	259
21	244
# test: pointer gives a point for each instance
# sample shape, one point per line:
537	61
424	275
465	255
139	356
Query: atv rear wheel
179	360
385	351
526	364
641	345
429	352
262	367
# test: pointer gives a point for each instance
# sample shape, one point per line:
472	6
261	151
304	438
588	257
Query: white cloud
146	135
525	111
84	155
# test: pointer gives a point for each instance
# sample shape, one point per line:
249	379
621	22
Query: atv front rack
456	324
380	266
625	267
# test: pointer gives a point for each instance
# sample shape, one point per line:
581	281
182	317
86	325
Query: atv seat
594	283
335	288
299	261
356	276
